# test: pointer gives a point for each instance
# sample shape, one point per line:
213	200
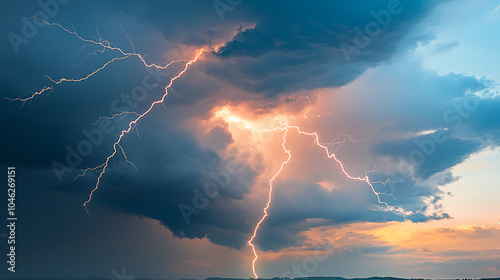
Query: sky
374	125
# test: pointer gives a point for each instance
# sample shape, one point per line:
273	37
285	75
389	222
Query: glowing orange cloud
269	200
285	127
225	113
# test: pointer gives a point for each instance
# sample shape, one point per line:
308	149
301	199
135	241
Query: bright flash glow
426	132
225	113
284	127
234	119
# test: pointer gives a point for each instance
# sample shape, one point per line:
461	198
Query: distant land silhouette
221	278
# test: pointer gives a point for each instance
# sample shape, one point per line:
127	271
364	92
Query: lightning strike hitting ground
269	200
285	127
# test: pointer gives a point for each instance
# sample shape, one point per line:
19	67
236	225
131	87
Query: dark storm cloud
439	156
307	45
293	46
171	166
457	115
189	22
172	169
290	45
298	45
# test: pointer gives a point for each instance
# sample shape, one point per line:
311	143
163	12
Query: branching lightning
328	147
116	115
105	45
131	125
286	128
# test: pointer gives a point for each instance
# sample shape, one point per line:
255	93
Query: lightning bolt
269	200
131	125
105	45
491	220
286	128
